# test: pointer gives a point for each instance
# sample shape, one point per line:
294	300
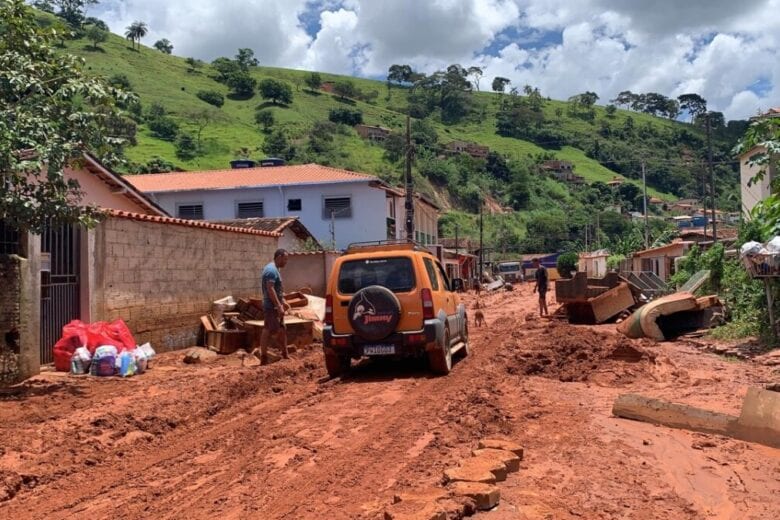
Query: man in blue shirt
274	306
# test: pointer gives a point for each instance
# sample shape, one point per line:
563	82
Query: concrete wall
756	192
368	220
308	270
160	278
20	295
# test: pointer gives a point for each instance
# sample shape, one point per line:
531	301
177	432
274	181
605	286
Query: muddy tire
465	351
336	365
440	359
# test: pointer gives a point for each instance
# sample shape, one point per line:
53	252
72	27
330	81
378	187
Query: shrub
212	97
164	128
265	118
279	92
567	263
186	148
345	116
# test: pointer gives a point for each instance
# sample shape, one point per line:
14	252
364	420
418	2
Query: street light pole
644	187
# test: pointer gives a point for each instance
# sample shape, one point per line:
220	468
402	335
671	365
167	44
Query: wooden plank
674	415
208	325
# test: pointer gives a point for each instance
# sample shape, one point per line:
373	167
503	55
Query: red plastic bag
77	333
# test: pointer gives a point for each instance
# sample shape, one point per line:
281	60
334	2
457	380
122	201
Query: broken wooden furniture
593	300
671	316
300	332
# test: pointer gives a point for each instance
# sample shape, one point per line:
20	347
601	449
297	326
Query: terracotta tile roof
189	223
244	178
272	225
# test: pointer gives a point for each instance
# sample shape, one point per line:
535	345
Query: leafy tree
164	128
61	31
186	147
72	11
279	92
497	167
96	35
694	104
164	46
395	148
155	165
476	73
242	84
212	97
43	5
246	58
193	64
276	144
156	111
399	74
225	68
625	99
345	116
135	31
423	133
345	89
120	81
313	81
610	110
265	118
49	127
321	137
97	22
499	84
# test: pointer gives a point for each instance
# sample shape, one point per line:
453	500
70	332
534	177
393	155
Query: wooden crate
226	341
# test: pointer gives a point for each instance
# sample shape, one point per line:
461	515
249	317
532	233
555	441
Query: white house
426	217
754	192
335	205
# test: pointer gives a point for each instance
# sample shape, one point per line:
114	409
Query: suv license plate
378	350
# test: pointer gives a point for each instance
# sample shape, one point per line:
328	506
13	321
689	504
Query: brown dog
479	316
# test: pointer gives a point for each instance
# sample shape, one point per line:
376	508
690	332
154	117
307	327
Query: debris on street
671	316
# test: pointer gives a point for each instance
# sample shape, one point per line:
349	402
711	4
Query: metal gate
60	294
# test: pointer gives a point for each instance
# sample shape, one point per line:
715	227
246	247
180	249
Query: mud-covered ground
283	441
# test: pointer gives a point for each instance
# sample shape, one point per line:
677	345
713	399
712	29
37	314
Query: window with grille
294	205
249	209
190	211
338	207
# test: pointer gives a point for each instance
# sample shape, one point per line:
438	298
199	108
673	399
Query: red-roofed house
330	202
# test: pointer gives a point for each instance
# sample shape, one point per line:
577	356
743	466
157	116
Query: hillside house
372	133
331	203
426	217
593	263
754	192
473	149
615	182
660	260
562	171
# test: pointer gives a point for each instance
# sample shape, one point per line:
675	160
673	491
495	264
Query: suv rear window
396	274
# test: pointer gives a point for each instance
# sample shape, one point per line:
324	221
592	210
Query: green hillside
605	145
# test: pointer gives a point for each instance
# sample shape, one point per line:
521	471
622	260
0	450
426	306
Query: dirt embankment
222	440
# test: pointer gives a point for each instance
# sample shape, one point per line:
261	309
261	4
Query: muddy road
283	441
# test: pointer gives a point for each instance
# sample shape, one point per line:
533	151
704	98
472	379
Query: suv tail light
427	303
329	310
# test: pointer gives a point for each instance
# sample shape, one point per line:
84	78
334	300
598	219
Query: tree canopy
164	46
51	113
279	92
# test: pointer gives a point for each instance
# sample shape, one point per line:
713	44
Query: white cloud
717	48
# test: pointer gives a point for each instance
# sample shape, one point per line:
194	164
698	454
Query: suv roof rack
379	245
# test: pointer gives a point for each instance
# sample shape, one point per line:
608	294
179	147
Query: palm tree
135	31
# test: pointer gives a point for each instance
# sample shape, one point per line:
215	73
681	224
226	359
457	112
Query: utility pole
456	248
481	252
409	204
644	187
712	180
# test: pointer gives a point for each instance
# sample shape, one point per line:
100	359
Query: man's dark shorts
542	293
273	322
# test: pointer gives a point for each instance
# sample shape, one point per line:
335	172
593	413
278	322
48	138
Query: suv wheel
465	338
336	365
441	358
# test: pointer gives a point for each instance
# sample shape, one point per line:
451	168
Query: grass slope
162	78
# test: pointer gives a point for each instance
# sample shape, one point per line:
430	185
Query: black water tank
271	161
242	163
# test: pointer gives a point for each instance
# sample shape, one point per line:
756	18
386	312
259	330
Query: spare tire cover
374	312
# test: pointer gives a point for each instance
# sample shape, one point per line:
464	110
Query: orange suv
392	299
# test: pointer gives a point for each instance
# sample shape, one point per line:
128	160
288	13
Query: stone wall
161	277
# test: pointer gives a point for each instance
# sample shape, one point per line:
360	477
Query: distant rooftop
245	178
